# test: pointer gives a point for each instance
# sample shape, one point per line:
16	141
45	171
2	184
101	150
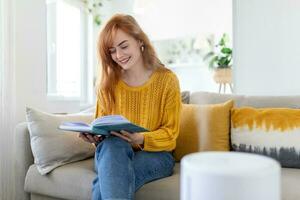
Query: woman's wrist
140	140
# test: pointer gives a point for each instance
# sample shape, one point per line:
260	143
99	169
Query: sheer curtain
7	100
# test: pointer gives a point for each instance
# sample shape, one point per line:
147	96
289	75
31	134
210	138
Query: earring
142	48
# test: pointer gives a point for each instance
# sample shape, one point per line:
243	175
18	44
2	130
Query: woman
134	84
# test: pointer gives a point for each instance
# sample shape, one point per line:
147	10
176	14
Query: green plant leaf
226	37
212	62
208	55
222	61
222	42
226	50
97	20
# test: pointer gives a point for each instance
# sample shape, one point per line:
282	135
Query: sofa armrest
23	159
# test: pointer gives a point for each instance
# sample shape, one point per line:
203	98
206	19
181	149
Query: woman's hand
95	139
132	138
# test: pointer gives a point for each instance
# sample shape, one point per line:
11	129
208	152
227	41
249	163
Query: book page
110	120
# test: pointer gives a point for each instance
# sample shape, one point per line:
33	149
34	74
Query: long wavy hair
111	71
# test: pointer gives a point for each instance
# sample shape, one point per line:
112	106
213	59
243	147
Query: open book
103	125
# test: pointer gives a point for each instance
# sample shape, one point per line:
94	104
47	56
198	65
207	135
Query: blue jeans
121	171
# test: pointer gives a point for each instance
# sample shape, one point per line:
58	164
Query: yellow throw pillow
273	132
203	128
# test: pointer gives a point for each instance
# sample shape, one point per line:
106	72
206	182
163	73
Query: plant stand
224	87
223	76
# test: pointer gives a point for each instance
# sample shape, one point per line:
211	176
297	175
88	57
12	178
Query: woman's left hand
133	138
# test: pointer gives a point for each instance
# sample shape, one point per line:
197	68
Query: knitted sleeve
164	138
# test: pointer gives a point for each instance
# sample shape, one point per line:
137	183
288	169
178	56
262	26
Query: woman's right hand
95	139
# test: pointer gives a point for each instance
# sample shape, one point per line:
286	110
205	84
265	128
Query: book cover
103	126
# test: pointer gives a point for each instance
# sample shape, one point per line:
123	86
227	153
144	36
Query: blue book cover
103	126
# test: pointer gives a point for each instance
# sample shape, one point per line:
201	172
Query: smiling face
126	51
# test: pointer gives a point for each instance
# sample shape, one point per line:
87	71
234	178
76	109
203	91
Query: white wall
30	54
266	47
180	18
7	100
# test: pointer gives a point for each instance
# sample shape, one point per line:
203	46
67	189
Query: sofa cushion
74	181
202	98
34	196
71	181
273	132
77	181
203	128
52	147
290	184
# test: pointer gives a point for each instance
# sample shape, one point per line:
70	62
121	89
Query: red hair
111	71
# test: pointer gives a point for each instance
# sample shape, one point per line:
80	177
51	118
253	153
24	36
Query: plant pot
223	75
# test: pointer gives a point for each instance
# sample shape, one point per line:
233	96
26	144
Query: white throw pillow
52	147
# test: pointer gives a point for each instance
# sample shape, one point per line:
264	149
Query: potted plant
220	60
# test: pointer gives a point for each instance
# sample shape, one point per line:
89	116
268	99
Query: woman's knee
116	141
113	147
113	143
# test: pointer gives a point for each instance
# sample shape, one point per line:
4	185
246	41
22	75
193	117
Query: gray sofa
73	181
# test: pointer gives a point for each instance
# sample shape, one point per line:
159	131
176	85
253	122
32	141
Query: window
69	71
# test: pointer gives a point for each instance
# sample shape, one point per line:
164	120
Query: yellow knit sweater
155	105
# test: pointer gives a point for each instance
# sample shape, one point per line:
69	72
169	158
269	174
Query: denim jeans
121	171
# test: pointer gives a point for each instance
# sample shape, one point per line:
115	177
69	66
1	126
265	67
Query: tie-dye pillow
274	132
